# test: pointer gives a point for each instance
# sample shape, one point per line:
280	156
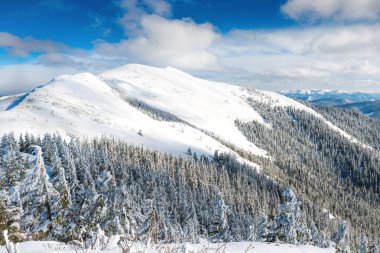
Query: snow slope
213	107
233	247
88	106
84	105
7	102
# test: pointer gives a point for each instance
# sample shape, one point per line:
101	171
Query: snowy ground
204	247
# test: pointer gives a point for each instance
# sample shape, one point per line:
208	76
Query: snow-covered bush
10	246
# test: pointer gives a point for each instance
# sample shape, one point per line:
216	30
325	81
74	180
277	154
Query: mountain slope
83	105
8	102
88	105
369	108
209	106
366	103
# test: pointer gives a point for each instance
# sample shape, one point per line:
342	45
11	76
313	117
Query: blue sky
77	23
266	44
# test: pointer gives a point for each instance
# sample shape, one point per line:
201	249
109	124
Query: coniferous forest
316	188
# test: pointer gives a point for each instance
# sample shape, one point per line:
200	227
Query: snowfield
203	247
89	106
210	106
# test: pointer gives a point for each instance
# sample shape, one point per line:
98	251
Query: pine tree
38	197
142	194
15	168
59	180
288	218
375	247
341	237
262	228
363	246
191	226
10	217
219	221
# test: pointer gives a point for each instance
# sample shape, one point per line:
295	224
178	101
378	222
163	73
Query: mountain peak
140	69
88	105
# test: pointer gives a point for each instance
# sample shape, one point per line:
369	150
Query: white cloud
360	41
180	43
56	59
342	10
365	68
24	77
351	41
317	57
22	47
135	9
153	38
159	7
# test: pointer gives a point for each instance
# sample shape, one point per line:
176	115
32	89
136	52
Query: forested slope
62	190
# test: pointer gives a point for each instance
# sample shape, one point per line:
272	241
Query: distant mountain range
367	103
369	108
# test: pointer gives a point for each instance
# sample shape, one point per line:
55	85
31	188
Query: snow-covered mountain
367	103
87	105
330	97
7	102
369	108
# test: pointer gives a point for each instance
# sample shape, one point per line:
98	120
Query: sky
265	44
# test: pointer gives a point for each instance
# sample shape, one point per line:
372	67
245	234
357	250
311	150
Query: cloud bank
162	42
342	10
23	47
332	55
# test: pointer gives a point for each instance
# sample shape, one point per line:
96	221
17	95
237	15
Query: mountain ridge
360	101
97	105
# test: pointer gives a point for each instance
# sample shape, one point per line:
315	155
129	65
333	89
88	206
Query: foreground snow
204	247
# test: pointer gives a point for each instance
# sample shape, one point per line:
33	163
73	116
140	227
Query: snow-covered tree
147	195
99	239
262	228
288	218
38	196
15	170
191	226
341	237
318	237
363	245
218	229
148	230
59	180
375	247
9	245
10	216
